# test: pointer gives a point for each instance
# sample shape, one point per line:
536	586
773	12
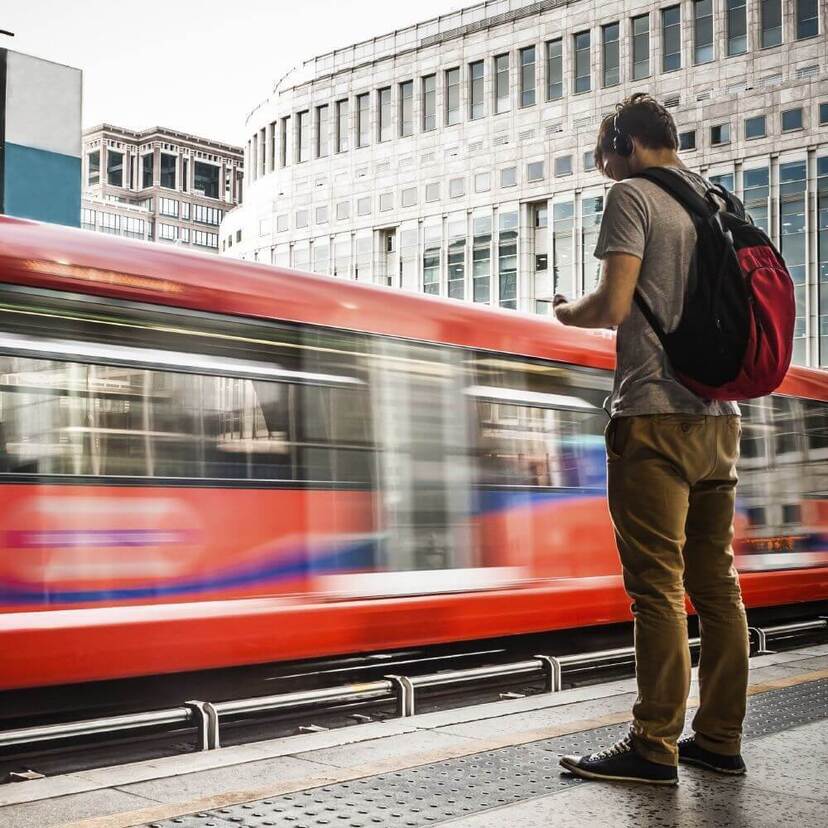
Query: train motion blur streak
207	463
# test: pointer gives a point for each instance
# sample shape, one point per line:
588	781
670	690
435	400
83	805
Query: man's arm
610	303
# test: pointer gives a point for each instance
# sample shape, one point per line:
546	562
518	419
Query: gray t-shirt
644	221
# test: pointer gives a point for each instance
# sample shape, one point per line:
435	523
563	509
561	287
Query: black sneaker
620	763
694	754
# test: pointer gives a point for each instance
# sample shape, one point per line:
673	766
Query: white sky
194	65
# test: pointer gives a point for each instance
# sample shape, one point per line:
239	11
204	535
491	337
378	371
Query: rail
205	717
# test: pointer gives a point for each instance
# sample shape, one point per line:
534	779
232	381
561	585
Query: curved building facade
454	157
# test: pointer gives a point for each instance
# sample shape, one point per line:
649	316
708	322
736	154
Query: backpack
734	340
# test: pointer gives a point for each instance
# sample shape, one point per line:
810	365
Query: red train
206	463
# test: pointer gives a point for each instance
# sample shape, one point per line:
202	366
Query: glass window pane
736	27
582	79
477	103
610	58
554	69
429	102
703	31
502	97
527	76
671	39
406	109
641	46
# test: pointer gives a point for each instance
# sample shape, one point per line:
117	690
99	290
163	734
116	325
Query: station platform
475	767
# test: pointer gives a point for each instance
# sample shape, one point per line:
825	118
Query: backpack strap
699	208
683	192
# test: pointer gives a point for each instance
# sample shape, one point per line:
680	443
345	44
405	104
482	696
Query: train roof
63	258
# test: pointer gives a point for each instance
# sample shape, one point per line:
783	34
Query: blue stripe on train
297	565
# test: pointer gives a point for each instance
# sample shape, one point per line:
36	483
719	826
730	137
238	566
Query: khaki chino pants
671	488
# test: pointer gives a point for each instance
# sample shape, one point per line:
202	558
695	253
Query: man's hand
558	301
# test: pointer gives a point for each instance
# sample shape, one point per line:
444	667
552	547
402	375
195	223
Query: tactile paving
431	794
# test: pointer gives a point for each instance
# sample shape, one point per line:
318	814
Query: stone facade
454	157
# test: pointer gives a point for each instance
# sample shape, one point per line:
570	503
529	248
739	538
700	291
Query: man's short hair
642	117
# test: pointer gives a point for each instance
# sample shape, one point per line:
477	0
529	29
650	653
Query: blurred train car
208	463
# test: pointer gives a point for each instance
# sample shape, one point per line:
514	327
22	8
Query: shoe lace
621	746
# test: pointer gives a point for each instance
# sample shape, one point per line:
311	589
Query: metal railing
206	716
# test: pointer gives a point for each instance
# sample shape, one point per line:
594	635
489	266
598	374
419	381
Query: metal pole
207	724
404	689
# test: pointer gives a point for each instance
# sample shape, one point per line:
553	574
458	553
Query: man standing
671	470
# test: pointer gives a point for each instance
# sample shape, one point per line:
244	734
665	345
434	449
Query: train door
425	471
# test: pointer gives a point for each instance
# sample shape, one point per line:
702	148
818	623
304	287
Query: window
755	127
206	179
343	210
611	62
736	27
386	202
303	136
432	244
756	183
527	76
563	251
592	211
284	140
168	170
456	263
408	197
720	134
807	19
671	39
823	113
429	102
432	191
115	168
204	239
322	214
563	165
507	243
384	132
482	182
323	129
364	206
93	168
363	107
168	207
147	169
481	256
282	223
793	243
501	63
406	109
791	119
554	69
589	161
534	171
168	232
641	46
452	97
687	140
301	219
342	115
703	31
582	80
205	215
771	23
457	187
508	177
477	101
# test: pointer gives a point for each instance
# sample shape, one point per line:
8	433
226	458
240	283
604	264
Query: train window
285	406
791	513
787	428
539	425
816	424
756	515
753	445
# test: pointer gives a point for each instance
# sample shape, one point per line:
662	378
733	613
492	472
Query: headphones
621	144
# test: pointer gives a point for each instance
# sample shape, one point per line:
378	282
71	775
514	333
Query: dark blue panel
41	185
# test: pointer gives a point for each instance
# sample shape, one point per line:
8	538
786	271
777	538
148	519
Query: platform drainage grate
431	794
